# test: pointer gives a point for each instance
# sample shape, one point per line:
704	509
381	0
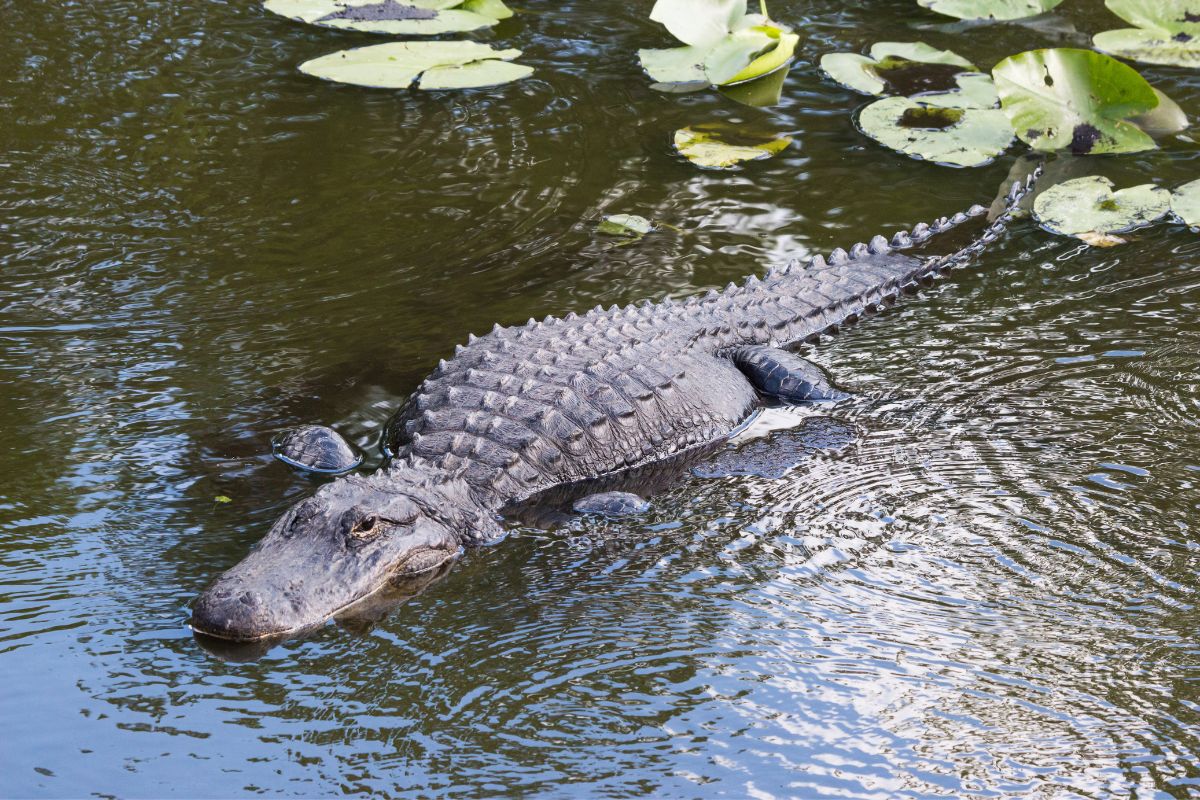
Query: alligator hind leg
785	375
612	504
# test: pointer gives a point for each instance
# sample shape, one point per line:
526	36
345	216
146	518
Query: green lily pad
759	93
990	9
1076	100
896	68
625	225
724	45
708	150
1089	206
1169	16
1165	119
700	24
1167	32
960	137
1152	47
440	65
974	91
408	18
474	75
1185	203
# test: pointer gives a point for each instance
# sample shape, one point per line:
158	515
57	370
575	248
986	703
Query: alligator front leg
785	375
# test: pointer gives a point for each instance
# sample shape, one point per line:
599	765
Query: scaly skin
525	409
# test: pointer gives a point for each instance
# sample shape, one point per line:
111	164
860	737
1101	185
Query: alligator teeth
838	256
879	245
959	218
442	364
458	348
942	223
920	232
859	250
902	239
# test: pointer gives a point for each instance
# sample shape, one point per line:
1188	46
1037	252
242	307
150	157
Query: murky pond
978	580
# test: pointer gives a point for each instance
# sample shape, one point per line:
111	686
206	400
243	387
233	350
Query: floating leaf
960	137
1166	118
705	148
1090	206
1185	203
989	9
221	498
771	61
475	75
408	18
446	65
1167	32
735	53
974	91
1077	100
725	45
701	23
625	225
759	93
1152	47
1094	239
896	68
1169	16
488	8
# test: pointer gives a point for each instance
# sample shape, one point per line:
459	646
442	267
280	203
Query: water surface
978	581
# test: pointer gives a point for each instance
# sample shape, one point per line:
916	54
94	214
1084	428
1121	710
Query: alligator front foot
785	375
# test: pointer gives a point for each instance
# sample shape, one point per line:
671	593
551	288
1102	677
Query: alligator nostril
248	599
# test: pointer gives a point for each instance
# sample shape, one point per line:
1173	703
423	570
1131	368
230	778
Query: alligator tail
1016	193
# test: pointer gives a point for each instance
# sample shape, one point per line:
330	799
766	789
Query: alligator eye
365	526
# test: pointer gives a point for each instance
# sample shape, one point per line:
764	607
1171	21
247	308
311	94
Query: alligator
523	410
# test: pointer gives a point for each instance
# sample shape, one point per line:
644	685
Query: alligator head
350	540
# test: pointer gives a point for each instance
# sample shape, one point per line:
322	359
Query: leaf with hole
897	68
395	17
440	65
1089	205
1075	100
990	9
708	149
960	137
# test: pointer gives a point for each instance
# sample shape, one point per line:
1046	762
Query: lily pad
708	149
1185	203
990	9
896	68
1086	206
1166	32
759	93
440	65
1076	100
960	137
1170	16
701	24
396	17
625	225
1166	118
974	91
724	45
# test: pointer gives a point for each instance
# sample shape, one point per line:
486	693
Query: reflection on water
976	578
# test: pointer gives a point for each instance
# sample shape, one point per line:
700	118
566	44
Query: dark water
989	590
